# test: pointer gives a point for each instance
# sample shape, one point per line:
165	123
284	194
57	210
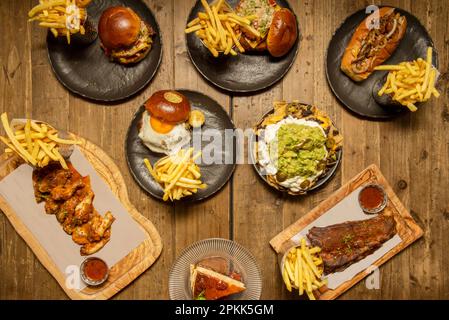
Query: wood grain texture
124	271
412	152
406	227
209	218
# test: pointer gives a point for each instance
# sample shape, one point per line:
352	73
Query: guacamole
299	149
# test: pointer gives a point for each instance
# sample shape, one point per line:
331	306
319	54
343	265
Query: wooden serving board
406	227
127	269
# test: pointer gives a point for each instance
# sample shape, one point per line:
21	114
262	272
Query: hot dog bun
350	66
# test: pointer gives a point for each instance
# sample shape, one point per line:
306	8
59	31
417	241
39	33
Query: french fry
211	49
234	37
34	143
28	136
13	140
228	46
195	172
194	28
286	280
222	28
60	159
209	13
35	151
307	277
47	151
56	139
289	271
300	269
428	67
203	16
44	6
431	84
193	22
411	82
219	28
55	15
177	174
309	261
212	31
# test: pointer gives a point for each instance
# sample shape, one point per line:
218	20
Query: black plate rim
321	182
359	113
186	199
263	88
125	97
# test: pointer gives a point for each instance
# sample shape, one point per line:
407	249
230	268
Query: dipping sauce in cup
94	271
372	199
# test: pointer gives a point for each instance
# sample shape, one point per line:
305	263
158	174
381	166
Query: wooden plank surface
124	271
406	228
412	152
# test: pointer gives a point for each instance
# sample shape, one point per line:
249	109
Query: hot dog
370	47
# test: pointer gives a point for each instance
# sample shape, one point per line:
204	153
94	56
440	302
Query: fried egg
162	137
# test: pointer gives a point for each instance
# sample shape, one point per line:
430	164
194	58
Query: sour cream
268	159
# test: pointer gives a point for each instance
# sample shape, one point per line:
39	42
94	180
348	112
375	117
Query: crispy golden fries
37	144
177	174
219	28
62	17
303	269
411	82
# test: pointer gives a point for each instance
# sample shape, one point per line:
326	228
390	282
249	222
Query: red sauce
371	198
95	269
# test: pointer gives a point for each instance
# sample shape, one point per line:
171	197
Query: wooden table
412	152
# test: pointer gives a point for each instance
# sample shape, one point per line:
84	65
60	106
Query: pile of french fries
303	269
62	17
37	144
177	174
220	28
411	82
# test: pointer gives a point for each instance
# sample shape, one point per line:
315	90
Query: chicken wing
80	234
66	191
100	224
93	247
69	196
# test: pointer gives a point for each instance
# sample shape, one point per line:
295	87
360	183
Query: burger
125	38
276	26
165	122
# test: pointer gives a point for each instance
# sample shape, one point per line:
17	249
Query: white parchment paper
126	233
348	210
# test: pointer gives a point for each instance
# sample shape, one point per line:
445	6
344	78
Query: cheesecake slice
210	285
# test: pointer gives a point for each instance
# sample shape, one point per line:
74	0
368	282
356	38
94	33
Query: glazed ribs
346	243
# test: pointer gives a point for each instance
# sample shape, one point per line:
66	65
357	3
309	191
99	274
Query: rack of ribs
346	243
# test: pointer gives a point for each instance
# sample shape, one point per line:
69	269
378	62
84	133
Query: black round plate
214	175
321	181
242	73
87	71
358	97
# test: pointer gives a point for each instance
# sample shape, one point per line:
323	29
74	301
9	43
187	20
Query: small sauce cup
373	198
94	271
